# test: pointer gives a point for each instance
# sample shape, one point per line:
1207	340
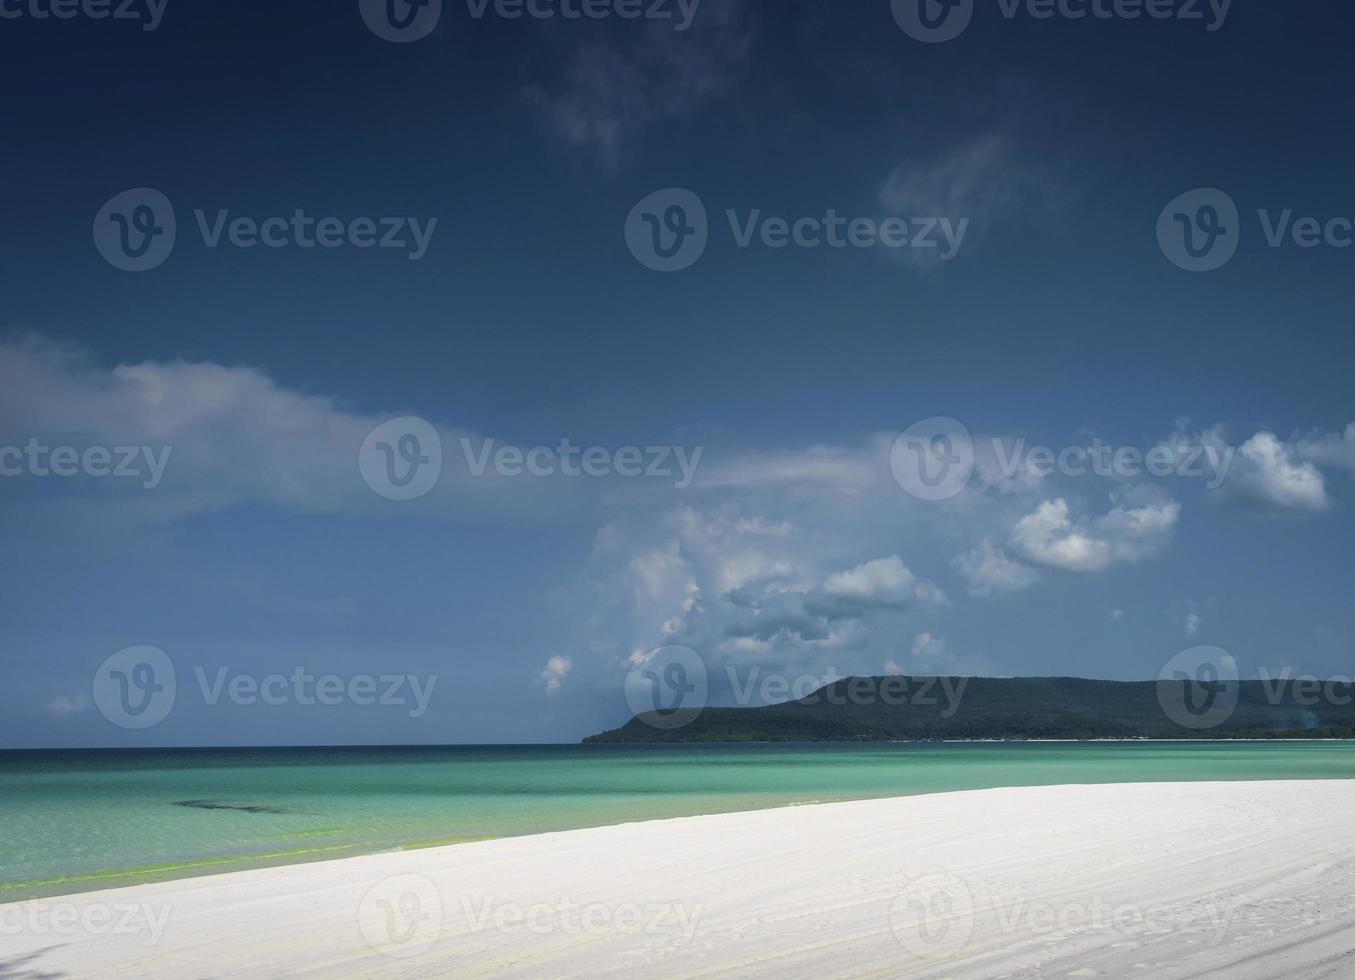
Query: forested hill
920	708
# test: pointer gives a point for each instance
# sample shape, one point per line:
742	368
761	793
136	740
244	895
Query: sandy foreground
1159	881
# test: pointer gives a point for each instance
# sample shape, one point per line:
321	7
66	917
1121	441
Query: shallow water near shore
84	820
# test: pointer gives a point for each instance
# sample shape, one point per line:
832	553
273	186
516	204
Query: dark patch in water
239	807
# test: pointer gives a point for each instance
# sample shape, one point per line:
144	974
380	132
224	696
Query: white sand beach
1244	880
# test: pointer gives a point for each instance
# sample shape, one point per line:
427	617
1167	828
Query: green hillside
921	708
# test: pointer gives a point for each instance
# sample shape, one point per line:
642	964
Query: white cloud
883	582
661	571
1048	536
1005	466
982	180
759	525
1117	616
1193	623
65	706
610	91
990	572
751	568
929	651
715	580
831	467
976	176
1330	448
1268	471
557	669
1132	531
932	655
233	435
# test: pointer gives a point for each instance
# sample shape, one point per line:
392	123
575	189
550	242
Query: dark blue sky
529	321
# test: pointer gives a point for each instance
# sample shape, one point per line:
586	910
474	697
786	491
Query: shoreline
212	852
215	865
961	884
134	750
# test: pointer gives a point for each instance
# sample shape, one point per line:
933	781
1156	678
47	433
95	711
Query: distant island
883	709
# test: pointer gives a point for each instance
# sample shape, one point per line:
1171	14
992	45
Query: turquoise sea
82	820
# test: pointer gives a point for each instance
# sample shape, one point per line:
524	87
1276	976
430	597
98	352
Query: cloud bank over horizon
799	560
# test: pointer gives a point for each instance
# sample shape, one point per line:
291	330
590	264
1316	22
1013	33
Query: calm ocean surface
77	821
